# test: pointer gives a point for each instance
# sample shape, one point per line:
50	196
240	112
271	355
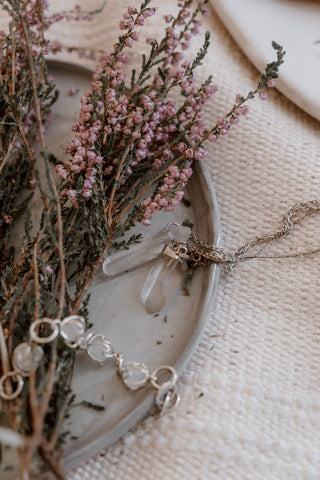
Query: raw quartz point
162	280
145	251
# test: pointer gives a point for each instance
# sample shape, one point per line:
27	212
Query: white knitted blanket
250	407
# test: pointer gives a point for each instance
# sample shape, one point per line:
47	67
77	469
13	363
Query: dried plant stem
35	410
25	141
13	83
114	188
36	283
24	466
37	110
5	364
11	324
39	409
90	275
48	390
53	464
16	303
61	258
10	147
36	103
139	195
38	413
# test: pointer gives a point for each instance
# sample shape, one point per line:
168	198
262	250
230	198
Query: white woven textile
250	395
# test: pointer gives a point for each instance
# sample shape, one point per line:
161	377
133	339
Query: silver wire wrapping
134	375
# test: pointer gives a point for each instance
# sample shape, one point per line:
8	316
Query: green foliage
272	69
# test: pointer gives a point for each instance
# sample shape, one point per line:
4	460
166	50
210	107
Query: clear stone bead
26	358
135	375
99	349
72	329
145	251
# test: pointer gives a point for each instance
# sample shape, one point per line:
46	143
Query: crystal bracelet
134	375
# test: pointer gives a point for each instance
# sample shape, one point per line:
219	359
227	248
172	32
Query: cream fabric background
250	407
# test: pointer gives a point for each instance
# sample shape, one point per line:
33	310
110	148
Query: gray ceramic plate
117	311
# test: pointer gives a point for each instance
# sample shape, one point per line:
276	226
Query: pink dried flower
7	219
71	194
62	172
213	138
135	35
125	131
244	109
205	12
140	20
168	18
49	270
128	42
263	96
72	91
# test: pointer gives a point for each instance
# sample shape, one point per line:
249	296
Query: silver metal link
54	325
134	374
167	400
7	394
166	385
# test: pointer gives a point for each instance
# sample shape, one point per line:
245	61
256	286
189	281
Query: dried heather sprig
132	155
132	137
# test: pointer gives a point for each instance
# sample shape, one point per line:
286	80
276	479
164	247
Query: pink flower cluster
182	38
169	194
127	131
39	21
83	151
73	15
223	125
30	34
131	19
150	130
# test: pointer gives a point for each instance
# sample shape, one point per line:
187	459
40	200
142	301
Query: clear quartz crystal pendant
145	251
162	280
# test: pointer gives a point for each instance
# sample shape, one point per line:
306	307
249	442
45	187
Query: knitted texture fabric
250	407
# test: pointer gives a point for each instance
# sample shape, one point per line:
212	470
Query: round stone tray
168	337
